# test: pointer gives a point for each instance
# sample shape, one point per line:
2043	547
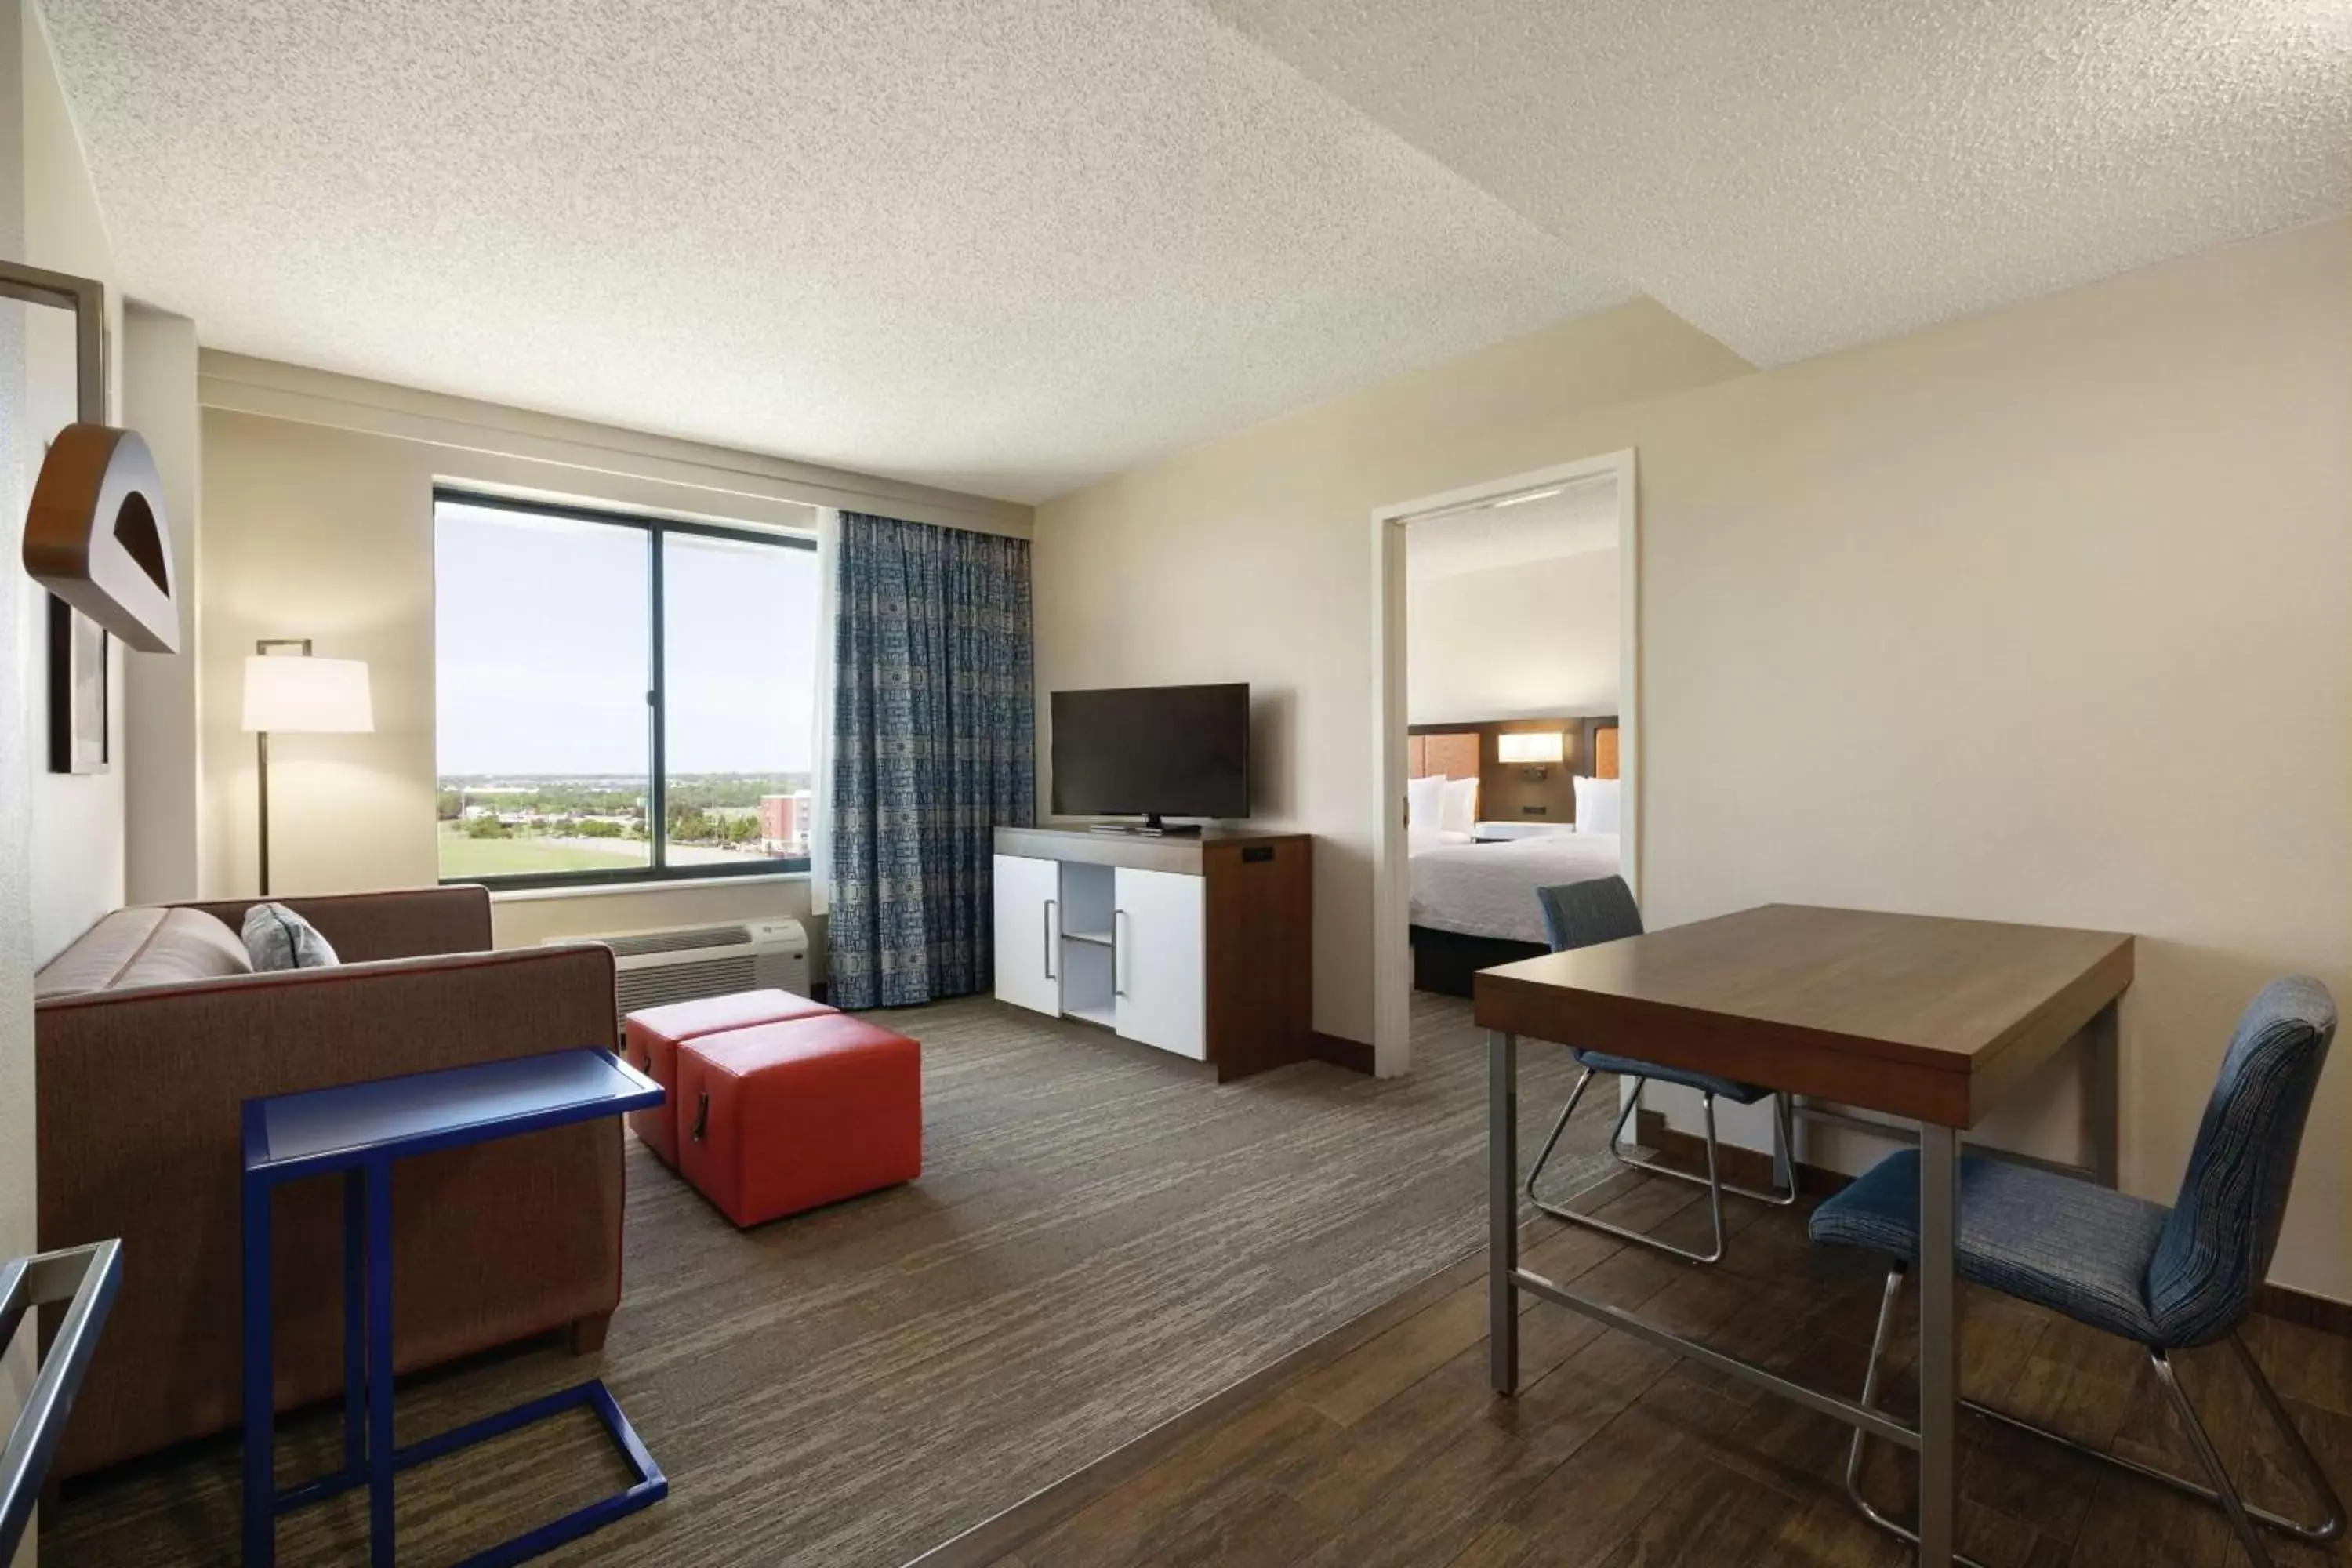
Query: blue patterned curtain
933	747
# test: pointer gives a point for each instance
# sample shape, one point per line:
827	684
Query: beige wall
78	840
1250	559
2043	614
318	523
1531	640
164	824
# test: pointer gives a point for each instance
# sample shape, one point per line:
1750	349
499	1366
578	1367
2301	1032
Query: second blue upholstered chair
1582	914
2165	1278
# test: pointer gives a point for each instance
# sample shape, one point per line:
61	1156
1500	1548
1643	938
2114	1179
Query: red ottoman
782	1117
651	1039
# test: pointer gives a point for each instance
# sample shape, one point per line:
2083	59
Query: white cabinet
1028	938
1198	946
1158	967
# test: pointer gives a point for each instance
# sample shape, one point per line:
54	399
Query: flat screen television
1153	752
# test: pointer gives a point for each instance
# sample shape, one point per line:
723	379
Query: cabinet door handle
1118	954
1051	905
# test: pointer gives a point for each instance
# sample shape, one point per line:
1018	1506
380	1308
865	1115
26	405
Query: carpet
1101	1238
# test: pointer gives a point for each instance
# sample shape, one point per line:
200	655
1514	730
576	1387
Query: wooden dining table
1924	1022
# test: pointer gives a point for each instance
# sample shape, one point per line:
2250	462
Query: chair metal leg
1713	1182
1559	1127
1888	1522
1783	1165
2210	1458
2244	1516
2329	1527
1784	1157
2315	1479
1560	1212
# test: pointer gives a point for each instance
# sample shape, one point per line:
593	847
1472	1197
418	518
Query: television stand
1201	945
1150	827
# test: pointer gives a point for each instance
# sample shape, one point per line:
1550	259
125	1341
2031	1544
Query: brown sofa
147	1042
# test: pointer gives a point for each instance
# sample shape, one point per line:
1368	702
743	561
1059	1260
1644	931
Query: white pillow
1457	810
1596	804
277	938
1421	801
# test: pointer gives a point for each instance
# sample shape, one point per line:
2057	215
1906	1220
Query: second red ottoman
782	1117
651	1039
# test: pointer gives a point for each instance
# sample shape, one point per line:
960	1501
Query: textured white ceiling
1799	175
1002	246
1011	246
1580	518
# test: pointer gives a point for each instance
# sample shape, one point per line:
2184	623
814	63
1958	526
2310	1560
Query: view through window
620	699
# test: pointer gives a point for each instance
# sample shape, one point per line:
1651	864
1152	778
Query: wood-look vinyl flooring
1385	1447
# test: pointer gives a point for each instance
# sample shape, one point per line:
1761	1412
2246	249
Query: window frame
656	527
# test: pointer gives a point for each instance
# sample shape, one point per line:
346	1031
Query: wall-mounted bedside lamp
294	694
1531	749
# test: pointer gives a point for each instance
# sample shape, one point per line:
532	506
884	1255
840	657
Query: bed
1473	904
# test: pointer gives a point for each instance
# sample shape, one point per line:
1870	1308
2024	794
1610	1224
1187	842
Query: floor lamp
289	692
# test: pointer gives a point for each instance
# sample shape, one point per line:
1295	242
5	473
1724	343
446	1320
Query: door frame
1391	884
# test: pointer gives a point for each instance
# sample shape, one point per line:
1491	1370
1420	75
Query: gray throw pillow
277	938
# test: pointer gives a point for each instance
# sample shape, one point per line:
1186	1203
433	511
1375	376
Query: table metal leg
260	1545
1502	1210
1784	1146
2106	1098
378	1362
1938	1345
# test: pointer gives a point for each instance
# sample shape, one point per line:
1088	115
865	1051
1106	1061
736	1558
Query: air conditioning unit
684	963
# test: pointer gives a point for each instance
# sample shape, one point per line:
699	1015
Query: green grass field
464	857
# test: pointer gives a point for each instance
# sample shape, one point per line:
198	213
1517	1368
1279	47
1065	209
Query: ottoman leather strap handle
701	1115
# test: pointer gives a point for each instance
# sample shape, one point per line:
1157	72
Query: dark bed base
1443	960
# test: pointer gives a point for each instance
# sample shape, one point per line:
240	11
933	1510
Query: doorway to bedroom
1506	729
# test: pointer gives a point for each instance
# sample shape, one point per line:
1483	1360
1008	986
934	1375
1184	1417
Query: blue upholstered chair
1581	914
2165	1278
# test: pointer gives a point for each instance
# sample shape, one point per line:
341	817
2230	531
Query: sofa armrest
406	922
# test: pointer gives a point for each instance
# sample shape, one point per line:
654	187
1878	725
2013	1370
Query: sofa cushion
277	938
145	947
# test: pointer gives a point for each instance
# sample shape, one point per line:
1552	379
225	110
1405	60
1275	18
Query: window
620	699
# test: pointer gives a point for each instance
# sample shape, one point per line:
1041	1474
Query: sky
542	629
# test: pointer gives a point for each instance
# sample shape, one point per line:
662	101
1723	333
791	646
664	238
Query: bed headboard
1455	753
1507	790
1597	757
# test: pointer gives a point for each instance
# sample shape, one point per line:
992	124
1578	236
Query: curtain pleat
933	748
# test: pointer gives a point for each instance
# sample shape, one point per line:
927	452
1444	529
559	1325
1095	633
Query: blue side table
360	1130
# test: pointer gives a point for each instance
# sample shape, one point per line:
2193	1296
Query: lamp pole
261	753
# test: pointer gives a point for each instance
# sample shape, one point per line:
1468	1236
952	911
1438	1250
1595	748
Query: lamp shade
285	695
1528	746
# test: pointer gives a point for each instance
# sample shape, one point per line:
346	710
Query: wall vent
684	963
